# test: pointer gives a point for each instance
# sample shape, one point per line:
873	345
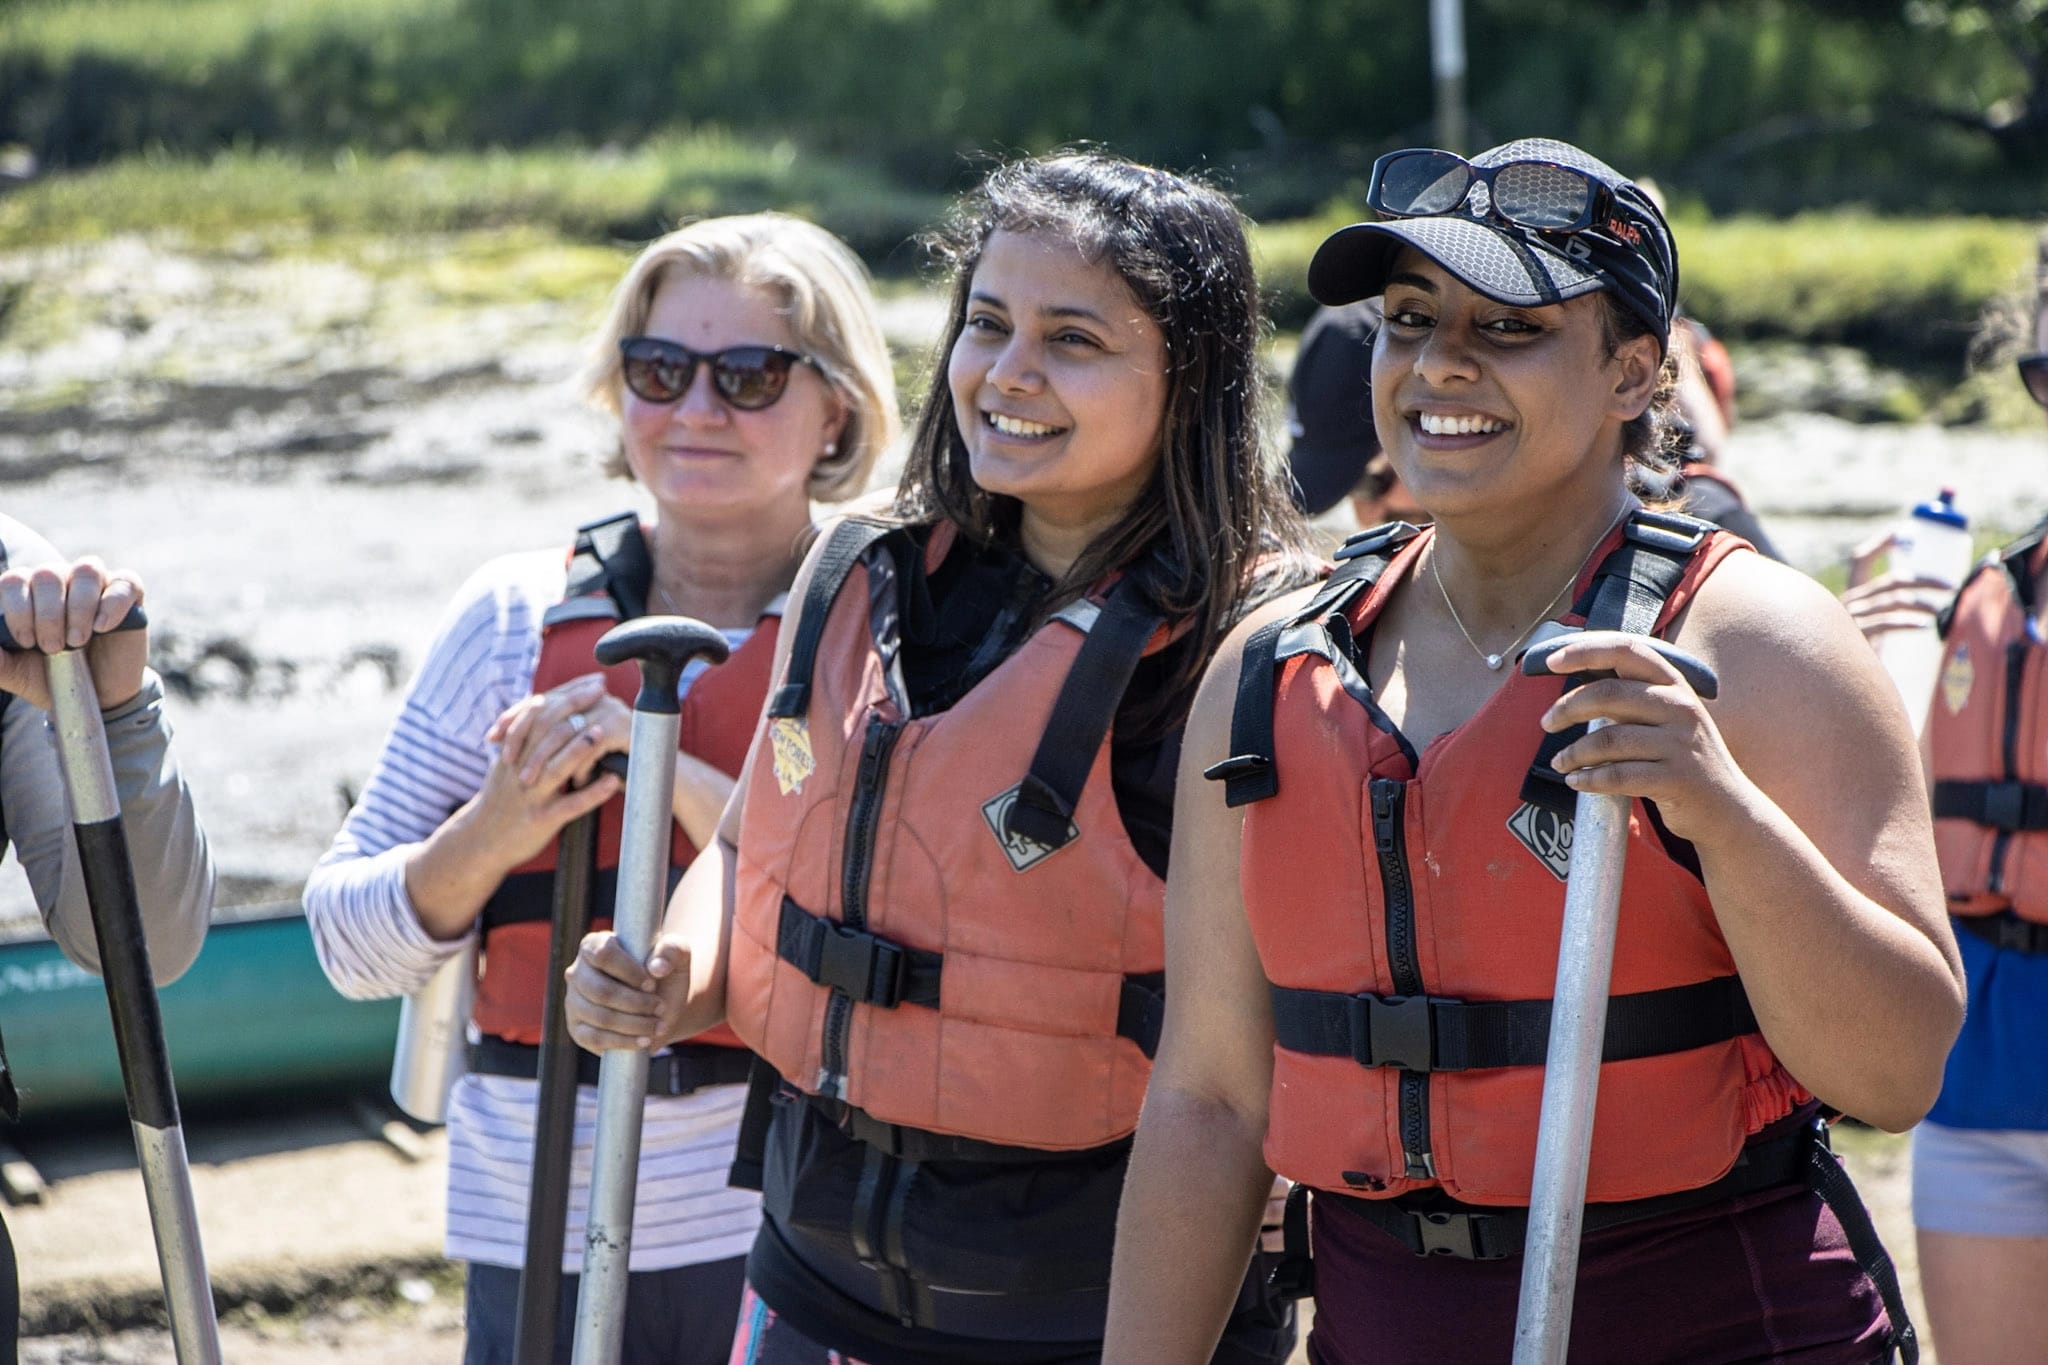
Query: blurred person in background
55	603
744	363
1333	452
1980	1161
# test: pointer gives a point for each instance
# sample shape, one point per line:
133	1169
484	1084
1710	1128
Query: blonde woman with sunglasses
747	371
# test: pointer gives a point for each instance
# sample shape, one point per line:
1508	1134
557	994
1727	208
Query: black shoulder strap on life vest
844	547
611	557
1081	716
1627	592
1250	773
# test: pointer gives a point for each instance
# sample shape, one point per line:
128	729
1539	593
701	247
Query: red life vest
939	919
607	580
1988	732
1407	908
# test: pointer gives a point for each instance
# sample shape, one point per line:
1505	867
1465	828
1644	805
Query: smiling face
1483	406
1058	381
701	456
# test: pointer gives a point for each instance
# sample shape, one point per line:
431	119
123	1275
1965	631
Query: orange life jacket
608	576
1407	910
1988	732
939	919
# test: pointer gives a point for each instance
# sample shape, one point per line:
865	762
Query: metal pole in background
662	645
109	877
1447	63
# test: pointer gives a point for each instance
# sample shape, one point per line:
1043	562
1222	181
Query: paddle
1578	1026
554	1124
662	645
131	996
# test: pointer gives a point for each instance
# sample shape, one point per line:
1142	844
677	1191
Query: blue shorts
1983	1182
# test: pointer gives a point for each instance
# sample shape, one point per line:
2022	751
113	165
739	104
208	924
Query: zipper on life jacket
2009	747
1388	802
862	818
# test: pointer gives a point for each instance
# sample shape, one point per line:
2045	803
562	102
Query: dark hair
1652	441
1215	529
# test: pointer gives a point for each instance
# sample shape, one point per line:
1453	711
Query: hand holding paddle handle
663	645
1578	1028
131	996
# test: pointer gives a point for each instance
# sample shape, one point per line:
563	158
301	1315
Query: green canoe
254	1016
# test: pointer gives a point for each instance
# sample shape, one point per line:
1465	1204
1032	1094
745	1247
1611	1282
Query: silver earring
831	449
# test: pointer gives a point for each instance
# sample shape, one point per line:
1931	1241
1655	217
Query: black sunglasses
748	377
1543	195
2034	374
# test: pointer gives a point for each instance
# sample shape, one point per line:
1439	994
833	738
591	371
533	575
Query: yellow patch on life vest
789	739
1958	675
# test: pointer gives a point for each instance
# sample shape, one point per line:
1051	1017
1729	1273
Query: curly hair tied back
1652	442
1216	516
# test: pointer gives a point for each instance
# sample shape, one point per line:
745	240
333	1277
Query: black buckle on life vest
868	968
1666	531
2005	804
1394	1030
1374	539
1460	1234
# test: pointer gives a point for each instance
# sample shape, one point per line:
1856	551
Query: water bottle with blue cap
1931	543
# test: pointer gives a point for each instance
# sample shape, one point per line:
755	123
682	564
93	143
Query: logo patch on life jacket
1546	834
1023	851
789	741
1958	676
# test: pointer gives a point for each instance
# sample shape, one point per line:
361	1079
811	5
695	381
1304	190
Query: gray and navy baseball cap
1627	249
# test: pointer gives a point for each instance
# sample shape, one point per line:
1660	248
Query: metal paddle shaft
1578	1028
131	997
663	645
554	1127
1571	1078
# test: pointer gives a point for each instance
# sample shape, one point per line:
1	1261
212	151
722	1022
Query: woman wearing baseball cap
1363	915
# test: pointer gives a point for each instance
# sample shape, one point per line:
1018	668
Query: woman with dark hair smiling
1363	920
939	886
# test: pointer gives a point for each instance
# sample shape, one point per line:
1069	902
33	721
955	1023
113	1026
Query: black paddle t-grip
663	647
1696	673
136	619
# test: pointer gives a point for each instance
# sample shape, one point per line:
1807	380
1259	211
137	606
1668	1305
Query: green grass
578	193
193	37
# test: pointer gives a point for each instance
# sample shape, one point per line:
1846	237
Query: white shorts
1984	1182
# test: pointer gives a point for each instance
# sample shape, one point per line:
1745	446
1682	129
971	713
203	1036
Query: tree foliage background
1759	104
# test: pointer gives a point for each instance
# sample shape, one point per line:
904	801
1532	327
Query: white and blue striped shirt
372	945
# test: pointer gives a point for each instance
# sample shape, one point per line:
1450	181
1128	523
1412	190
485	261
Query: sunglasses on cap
2034	374
748	377
1541	195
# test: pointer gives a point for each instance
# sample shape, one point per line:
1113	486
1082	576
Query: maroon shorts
1767	1277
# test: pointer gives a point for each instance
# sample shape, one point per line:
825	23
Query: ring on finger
578	722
